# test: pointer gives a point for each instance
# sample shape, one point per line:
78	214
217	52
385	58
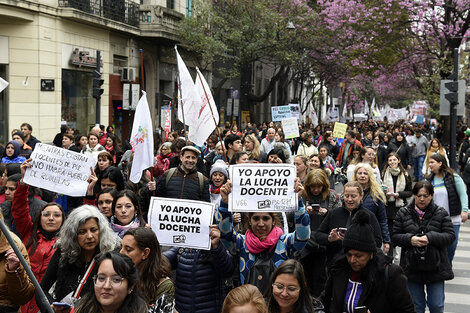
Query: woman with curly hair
252	147
374	198
84	234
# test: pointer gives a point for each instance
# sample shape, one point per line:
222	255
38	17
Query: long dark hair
445	169
295	268
32	242
153	268
400	165
131	195
123	266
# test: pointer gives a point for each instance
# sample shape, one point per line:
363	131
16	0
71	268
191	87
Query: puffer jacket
439	231
183	186
45	248
379	210
15	287
379	293
288	246
200	277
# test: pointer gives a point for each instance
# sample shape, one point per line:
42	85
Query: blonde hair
245	294
375	189
256	152
317	177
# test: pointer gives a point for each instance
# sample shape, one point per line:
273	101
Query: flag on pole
374	110
205	124
168	122
141	140
366	107
345	110
3	84
313	115
190	100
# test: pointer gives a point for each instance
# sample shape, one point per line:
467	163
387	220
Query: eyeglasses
100	280
265	218
47	214
289	289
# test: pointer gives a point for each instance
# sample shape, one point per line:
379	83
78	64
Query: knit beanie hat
219	166
20	134
360	235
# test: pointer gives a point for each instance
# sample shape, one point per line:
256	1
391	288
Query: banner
295	111
333	114
262	188
59	170
181	223
3	84
339	131
280	112
290	126
141	140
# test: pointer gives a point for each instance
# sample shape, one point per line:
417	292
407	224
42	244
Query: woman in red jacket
39	236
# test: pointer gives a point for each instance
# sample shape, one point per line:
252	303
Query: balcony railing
159	21
123	11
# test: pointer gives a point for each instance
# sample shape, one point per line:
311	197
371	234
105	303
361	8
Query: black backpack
261	271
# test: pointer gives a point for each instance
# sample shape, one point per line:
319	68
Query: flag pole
41	295
180	101
212	113
141	52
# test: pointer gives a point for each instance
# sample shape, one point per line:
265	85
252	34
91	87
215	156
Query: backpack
261	271
200	177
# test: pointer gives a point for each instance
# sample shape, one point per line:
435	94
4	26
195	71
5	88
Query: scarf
215	189
120	230
401	183
430	152
419	212
255	245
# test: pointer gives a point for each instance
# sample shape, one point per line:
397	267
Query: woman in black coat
418	226
365	277
403	150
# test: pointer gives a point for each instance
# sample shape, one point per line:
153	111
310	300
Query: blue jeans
435	296
418	167
451	249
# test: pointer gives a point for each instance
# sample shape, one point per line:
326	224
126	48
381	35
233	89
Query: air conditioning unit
128	74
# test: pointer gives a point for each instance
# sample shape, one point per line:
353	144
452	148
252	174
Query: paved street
458	289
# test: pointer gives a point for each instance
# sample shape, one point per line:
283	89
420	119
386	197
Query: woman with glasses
424	227
114	287
39	234
264	241
84	234
289	292
126	213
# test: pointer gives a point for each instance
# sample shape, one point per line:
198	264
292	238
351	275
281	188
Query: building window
170	4
78	105
3	107
189	8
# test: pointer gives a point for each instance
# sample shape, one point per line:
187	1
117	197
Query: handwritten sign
181	223
262	187
281	112
290	128
59	170
339	131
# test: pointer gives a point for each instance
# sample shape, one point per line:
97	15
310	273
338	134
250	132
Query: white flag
366	107
190	101
313	115
3	84
345	110
141	140
205	124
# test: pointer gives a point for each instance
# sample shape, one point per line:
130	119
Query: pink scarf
256	246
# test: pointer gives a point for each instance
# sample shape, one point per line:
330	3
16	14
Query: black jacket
340	217
404	152
440	233
183	186
455	206
379	294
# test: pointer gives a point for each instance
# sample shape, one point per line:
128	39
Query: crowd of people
358	251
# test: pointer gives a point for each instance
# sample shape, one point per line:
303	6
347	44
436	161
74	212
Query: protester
277	155
434	147
210	145
450	194
419	145
301	164
330	233
267	143
16	287
59	136
93	148
104	201
329	142
380	152
368	155
113	148
246	299
307	147
12	153
25	150
114	287
289	292
403	150
154	284
30	140
218	177
126	213
346	148
67	141
365	277
252	147
233	144
112	178
424	228
239	157
163	160
280	141
84	234
105	160
264	239
80	142
374	198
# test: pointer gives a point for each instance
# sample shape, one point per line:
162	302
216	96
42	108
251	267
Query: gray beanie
219	167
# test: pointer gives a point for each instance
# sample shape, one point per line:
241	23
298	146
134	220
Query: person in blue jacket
12	153
264	246
374	199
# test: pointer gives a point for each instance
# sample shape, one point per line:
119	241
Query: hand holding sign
299	188
24	166
92	180
225	190
214	233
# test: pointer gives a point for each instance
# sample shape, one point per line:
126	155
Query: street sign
444	106
47	85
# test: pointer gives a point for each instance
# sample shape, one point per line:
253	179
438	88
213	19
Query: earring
130	291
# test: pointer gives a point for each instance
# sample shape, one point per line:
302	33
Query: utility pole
453	99
97	83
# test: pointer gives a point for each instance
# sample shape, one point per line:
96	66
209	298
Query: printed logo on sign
266	204
179	239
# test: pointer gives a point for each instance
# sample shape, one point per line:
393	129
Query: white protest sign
280	112
262	187
181	223
295	110
290	128
59	170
